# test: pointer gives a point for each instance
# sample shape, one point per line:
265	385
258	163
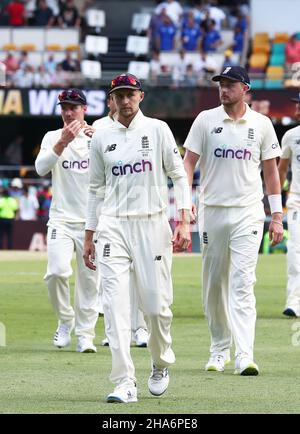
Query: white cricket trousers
146	244
230	239
137	316
62	240
293	260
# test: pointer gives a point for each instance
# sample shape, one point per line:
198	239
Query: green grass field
37	378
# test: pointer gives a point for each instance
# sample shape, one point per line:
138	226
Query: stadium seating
91	69
96	44
140	22
137	45
140	69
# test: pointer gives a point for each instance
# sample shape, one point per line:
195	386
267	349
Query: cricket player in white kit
139	334
291	153
131	160
65	153
232	142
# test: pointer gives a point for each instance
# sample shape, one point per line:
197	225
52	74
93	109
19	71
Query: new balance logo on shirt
157	258
111	148
216	130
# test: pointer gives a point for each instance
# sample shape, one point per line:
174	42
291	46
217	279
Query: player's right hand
70	131
89	254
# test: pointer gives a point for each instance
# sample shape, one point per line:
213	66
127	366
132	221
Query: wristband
275	203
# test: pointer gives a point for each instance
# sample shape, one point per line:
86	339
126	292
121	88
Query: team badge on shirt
251	134
145	142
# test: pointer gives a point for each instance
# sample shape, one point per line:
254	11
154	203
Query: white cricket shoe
246	366
62	336
85	345
141	338
105	342
123	393
217	362
158	381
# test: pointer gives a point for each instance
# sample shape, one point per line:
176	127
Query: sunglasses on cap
125	81
71	94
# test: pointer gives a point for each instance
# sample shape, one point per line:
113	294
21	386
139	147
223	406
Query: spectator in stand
191	78
24	77
16	13
155	65
16	189
69	16
211	39
28	205
50	64
166	34
191	34
30	7
238	38
70	64
44	197
292	51
43	15
216	13
205	66
60	78
8	210
228	60
179	70
41	77
206	21
173	9
23	60
11	63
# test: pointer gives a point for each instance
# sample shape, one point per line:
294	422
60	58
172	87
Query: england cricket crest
145	142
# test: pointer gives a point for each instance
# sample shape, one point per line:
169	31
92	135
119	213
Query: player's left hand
89	254
276	230
181	238
89	131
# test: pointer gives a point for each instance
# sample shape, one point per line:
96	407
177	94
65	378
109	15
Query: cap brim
218	78
295	99
124	87
71	102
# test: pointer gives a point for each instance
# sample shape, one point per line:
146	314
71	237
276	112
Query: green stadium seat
277	59
257	83
274	84
278	48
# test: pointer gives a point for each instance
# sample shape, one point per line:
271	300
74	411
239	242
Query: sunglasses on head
124	80
70	94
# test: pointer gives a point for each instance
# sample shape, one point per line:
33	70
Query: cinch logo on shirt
83	164
132	168
239	154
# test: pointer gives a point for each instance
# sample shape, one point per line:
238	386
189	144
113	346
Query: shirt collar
243	119
135	121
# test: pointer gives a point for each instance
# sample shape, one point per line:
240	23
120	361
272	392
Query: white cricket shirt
102	123
230	155
133	165
70	176
291	150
